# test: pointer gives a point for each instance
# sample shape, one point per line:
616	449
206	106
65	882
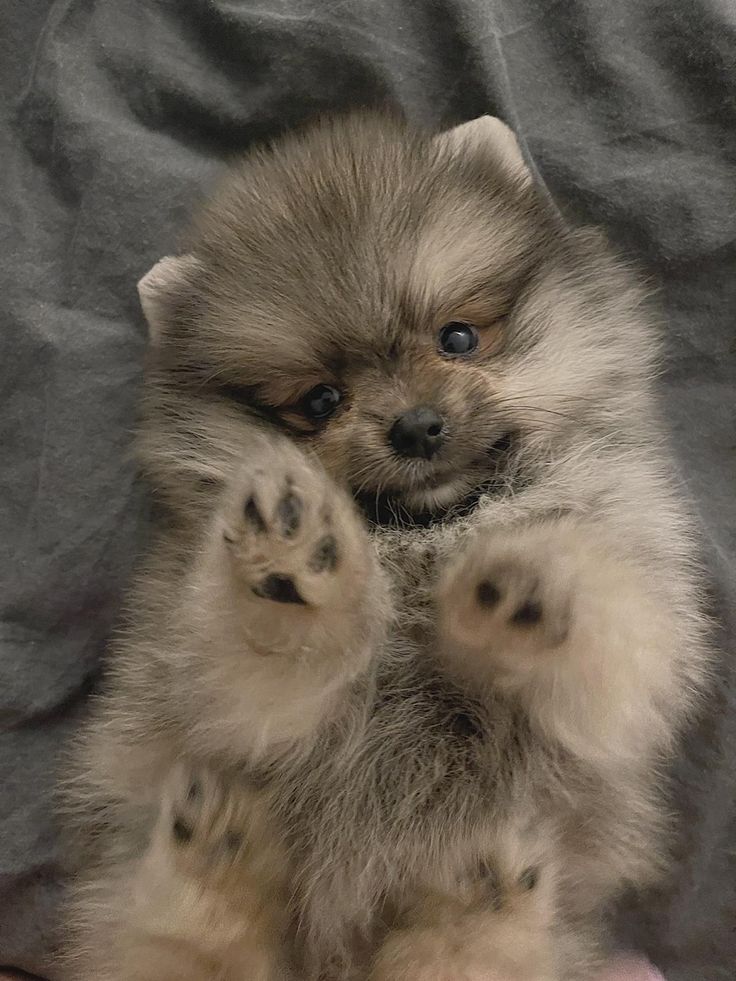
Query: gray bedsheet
115	116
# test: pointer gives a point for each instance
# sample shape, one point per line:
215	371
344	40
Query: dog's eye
320	402
458	338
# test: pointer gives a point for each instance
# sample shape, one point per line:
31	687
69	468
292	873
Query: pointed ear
161	289
488	135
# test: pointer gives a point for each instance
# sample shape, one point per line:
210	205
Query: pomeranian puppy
422	619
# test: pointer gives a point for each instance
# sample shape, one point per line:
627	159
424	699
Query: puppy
421	621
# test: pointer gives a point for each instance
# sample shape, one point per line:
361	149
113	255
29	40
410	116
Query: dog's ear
162	288
488	135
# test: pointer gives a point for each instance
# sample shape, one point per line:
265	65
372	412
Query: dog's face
405	306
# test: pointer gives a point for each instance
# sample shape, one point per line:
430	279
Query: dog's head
407	306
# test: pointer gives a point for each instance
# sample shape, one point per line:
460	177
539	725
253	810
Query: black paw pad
182	831
280	589
253	516
324	557
529	878
289	513
528	615
487	594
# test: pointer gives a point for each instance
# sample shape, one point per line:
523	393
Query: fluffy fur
373	717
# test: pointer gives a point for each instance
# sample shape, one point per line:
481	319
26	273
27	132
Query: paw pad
487	594
289	513
528	615
182	831
253	516
280	589
325	555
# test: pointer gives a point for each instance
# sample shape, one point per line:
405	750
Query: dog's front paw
559	613
292	533
286	601
508	600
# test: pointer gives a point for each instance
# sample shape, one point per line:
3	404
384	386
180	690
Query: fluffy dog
421	622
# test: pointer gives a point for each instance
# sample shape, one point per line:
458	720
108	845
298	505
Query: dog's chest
413	563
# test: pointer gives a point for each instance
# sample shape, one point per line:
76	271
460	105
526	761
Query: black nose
418	433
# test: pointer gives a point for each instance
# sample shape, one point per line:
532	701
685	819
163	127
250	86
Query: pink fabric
630	969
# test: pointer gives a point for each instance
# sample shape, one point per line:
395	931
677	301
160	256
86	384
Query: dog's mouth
437	503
